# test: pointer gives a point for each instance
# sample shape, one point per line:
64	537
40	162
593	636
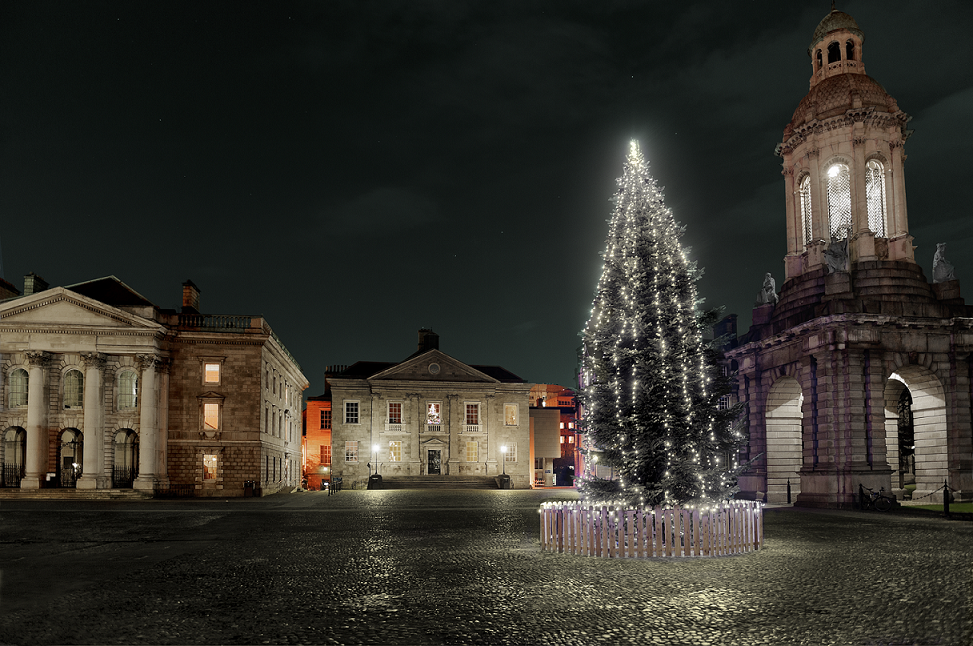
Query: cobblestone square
459	567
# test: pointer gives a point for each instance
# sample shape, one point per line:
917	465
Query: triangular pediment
433	365
60	307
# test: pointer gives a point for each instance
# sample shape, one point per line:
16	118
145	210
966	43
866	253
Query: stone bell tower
861	372
843	157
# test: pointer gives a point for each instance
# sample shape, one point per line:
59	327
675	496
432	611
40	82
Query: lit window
351	451
351	412
875	197
326	455
326	419
209	467
73	389
434	413
570	439
723	403
18	387
805	192
395	412
127	388
562	437
211	416
395	451
510	414
211	373
839	201
472	414
472	451
511	454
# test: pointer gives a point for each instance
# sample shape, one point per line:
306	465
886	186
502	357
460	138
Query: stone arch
13	456
70	450
125	458
785	451
929	428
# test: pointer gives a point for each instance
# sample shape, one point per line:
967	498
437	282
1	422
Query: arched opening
839	201
17	393
818	58
875	196
915	401
126	459
834	53
69	453
805	193
850	50
785	449
14	448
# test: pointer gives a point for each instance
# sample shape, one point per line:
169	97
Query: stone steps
73	494
440	482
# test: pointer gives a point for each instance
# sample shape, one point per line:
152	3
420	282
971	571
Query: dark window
850	51
818	58
834	53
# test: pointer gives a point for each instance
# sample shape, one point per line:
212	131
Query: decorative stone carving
836	255
942	269
38	358
768	295
93	360
146	361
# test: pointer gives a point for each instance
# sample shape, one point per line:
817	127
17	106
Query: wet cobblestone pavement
460	567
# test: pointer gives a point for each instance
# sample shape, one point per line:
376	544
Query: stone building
101	390
317	441
429	415
860	371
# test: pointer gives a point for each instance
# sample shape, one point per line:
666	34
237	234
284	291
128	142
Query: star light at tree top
650	383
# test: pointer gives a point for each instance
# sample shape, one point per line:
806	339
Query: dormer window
834	53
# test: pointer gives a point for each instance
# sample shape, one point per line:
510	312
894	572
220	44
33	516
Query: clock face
434	368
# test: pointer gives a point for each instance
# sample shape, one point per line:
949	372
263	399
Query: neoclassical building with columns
860	372
103	390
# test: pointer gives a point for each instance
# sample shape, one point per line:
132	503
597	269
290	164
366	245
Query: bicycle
877	501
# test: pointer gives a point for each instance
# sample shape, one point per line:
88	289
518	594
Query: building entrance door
434	462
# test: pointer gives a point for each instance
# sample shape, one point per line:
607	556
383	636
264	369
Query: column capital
38	357
146	361
93	360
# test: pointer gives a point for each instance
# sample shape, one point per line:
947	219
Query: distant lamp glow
503	450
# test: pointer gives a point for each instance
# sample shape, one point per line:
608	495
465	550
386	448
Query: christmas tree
650	383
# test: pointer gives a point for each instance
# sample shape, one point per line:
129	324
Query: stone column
148	424
162	473
35	470
864	238
93	464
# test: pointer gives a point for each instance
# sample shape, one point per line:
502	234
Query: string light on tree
651	383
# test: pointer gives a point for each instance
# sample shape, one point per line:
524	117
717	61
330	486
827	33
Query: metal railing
11	474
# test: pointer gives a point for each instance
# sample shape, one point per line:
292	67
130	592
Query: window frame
205	364
351	451
326	419
475	445
80	389
13	376
217	409
215	467
395	451
511	451
507	408
123	396
346	407
475	408
876	208
389	408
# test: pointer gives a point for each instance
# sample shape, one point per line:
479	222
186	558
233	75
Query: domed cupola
843	154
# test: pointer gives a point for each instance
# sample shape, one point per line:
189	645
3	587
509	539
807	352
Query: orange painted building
317	441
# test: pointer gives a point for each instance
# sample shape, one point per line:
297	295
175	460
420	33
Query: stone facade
122	394
861	373
430	415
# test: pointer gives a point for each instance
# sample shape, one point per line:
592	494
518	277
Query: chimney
190	298
33	284
428	340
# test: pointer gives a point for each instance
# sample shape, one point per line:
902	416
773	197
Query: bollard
788	491
946	498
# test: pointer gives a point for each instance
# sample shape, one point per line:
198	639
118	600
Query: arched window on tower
875	197
839	201
850	50
805	191
834	53
819	60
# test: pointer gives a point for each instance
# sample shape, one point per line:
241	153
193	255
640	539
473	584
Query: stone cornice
868	116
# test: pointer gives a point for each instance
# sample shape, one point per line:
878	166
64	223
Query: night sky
354	171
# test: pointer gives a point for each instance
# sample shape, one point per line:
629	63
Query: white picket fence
736	527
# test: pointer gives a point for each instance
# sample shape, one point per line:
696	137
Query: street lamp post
375	451
503	450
